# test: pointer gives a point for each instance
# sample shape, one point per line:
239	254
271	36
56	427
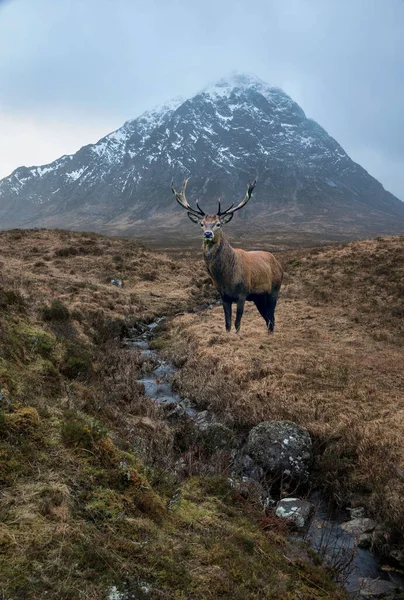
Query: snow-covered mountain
237	129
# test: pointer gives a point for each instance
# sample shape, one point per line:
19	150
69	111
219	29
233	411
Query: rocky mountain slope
237	129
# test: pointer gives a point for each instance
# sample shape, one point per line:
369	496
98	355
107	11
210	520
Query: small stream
361	570
359	567
158	382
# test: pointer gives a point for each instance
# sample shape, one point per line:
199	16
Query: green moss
23	421
13	464
75	367
11	299
77	362
57	311
37	341
79	433
105	504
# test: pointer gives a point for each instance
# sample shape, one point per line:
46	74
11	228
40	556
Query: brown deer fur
238	275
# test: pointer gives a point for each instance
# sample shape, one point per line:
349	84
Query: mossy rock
22	421
282	448
215	437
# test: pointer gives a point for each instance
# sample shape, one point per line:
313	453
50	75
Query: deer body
238	275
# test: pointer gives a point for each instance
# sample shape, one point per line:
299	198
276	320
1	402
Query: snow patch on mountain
74	175
237	128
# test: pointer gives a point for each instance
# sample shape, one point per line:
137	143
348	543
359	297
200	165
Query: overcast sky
71	71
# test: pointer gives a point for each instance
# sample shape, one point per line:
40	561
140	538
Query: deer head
211	224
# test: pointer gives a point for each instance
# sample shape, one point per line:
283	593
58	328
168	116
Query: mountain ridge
236	129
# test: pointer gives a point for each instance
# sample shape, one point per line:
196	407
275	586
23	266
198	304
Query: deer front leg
239	314
227	314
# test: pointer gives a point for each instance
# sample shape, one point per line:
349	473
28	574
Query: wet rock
397	554
249	489
365	540
357	512
248	468
4	400
377	588
359	526
203	418
269	502
177	414
131	590
155	323
282	449
298	511
117	282
215	436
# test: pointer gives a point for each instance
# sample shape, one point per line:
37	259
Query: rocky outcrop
282	449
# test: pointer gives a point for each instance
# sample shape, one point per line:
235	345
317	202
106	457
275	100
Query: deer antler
181	199
231	210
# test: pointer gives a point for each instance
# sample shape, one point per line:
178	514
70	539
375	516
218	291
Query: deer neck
219	259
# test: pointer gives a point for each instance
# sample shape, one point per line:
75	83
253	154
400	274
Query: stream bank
361	572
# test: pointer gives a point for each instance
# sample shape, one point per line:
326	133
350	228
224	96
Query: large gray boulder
282	448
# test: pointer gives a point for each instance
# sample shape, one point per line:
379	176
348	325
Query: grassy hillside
89	496
334	365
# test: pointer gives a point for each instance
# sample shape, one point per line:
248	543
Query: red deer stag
236	274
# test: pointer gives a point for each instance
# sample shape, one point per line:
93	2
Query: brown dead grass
88	496
334	365
77	268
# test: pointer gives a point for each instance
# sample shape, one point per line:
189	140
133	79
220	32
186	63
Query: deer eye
201	224
218	224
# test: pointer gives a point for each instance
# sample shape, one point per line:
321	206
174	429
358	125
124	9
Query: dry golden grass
334	365
77	268
88	498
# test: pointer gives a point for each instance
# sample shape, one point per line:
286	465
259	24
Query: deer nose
208	234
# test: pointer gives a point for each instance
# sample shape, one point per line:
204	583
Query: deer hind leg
272	300
261	302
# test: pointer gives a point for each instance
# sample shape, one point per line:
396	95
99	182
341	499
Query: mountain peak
234	80
237	79
236	128
239	83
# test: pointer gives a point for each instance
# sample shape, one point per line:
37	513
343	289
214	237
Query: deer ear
193	218
226	218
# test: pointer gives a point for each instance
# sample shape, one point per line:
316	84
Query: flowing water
158	382
339	549
325	535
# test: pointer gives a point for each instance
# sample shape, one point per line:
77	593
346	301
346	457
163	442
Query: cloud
34	141
101	62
